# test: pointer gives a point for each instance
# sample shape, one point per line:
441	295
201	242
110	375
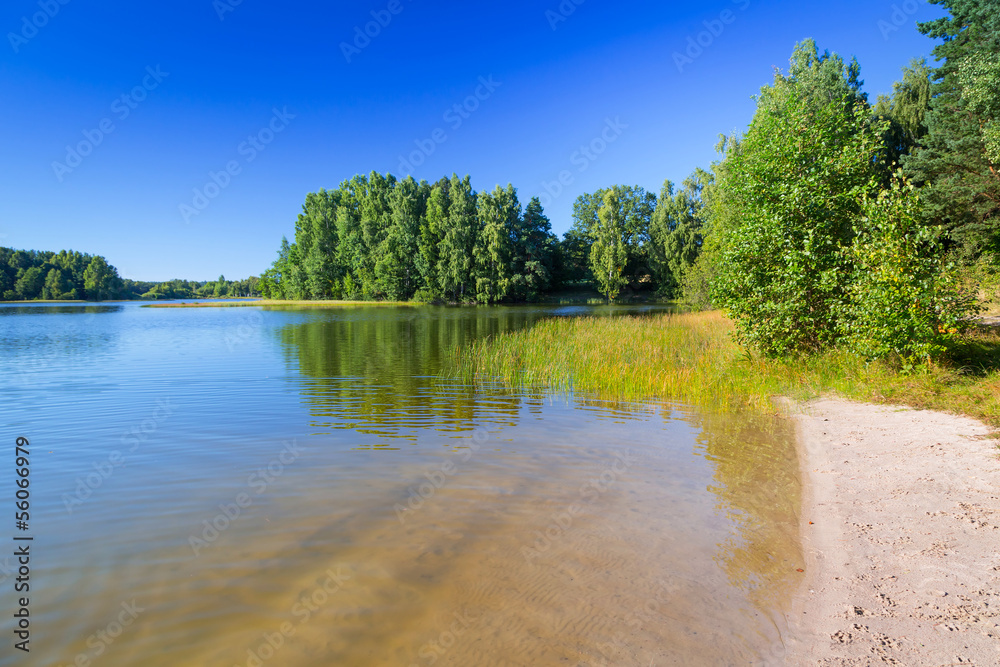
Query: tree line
67	275
376	237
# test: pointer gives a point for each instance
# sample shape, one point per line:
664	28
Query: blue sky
195	128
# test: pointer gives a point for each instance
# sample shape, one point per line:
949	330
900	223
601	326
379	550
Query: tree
904	302
56	285
955	164
499	215
906	111
635	211
459	242
100	280
676	231
29	285
396	268
316	236
432	230
608	254
534	253
788	195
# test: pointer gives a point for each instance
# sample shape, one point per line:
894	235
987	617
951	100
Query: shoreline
900	531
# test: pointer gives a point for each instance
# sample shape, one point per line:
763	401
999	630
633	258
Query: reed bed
692	358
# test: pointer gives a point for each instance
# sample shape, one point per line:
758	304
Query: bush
904	301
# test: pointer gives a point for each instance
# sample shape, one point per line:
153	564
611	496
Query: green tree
100	280
788	195
56	285
676	231
904	301
458	245
955	164
608	254
396	267
433	225
499	215
534	253
29	285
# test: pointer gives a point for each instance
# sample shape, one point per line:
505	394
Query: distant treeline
376	237
27	275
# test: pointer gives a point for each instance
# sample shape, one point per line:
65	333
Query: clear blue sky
218	82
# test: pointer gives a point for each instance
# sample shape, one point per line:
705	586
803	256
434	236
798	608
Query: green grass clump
692	358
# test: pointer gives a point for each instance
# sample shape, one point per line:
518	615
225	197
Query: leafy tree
676	231
100	280
432	230
788	196
906	111
459	242
608	254
56	285
499	215
396	268
30	284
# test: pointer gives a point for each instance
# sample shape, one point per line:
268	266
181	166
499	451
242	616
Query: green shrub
903	301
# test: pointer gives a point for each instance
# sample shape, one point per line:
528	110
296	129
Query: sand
901	533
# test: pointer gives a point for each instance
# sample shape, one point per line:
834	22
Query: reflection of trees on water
378	370
758	488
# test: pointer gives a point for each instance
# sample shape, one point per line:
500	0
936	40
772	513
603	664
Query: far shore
900	527
279	302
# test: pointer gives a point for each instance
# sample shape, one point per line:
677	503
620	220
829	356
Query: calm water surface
251	486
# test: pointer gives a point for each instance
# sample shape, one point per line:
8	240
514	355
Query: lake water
273	486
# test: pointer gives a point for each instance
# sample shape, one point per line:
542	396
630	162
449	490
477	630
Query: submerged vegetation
693	358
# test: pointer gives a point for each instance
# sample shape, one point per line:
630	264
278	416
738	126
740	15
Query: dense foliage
816	242
27	275
957	158
31	274
379	238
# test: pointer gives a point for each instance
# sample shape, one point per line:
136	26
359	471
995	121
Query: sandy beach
901	533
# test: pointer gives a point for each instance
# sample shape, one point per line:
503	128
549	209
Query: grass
692	358
276	302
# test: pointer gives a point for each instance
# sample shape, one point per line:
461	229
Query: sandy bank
901	532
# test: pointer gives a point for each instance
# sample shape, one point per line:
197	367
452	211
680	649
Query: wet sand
901	533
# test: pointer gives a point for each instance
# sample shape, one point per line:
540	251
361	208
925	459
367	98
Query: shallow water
250	486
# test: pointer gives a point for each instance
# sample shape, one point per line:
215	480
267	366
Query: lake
284	486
